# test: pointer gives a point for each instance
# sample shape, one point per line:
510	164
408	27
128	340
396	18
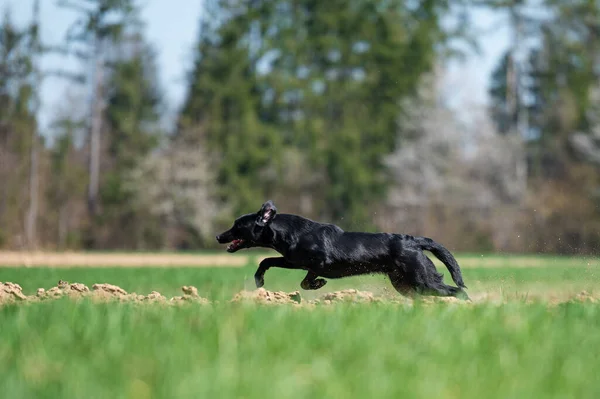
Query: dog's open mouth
235	244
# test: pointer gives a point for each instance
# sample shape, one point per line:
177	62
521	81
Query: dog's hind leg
430	282
443	290
311	282
419	274
400	284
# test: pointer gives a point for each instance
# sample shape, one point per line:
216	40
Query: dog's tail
440	252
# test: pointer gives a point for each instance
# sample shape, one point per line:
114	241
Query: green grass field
510	343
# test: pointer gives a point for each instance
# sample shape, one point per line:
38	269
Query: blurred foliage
319	81
333	109
556	93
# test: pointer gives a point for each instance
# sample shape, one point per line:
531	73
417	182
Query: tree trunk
31	220
96	129
32	212
63	227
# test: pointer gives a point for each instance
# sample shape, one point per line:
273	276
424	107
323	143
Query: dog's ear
266	214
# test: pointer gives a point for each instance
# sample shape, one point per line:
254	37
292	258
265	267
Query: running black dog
325	250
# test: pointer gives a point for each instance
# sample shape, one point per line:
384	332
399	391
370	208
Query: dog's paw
312	284
318	283
259	280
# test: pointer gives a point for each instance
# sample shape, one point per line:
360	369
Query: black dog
325	250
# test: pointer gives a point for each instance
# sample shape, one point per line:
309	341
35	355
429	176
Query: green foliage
132	131
97	19
504	118
17	120
556	97
66	183
323	79
560	73
222	100
300	101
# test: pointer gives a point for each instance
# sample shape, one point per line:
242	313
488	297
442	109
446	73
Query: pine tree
65	192
132	131
35	52
101	23
17	122
560	76
277	83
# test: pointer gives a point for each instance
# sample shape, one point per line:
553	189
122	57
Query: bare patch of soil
585	296
452	300
263	296
85	259
11	293
103	292
349	295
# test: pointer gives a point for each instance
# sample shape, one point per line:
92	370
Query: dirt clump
11	292
585	296
63	288
443	299
263	296
190	294
349	295
190	290
113	290
155	296
108	292
100	293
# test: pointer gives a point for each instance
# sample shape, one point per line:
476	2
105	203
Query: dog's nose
217	237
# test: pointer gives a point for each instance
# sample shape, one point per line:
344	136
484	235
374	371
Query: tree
561	74
35	51
17	122
587	143
318	82
449	178
101	23
220	110
132	131
125	116
177	186
65	193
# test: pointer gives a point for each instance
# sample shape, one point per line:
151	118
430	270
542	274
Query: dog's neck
284	231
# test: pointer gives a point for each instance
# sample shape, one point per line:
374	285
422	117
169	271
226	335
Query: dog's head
247	230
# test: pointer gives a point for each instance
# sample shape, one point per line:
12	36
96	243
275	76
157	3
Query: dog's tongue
235	244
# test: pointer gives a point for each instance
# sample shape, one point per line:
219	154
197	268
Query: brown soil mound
350	295
75	290
108	292
263	296
585	296
268	297
13	293
190	294
431	300
10	292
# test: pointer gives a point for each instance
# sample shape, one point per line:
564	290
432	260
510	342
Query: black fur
325	250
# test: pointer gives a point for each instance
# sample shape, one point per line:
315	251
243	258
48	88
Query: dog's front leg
266	264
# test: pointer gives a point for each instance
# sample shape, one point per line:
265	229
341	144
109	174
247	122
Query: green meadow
521	337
